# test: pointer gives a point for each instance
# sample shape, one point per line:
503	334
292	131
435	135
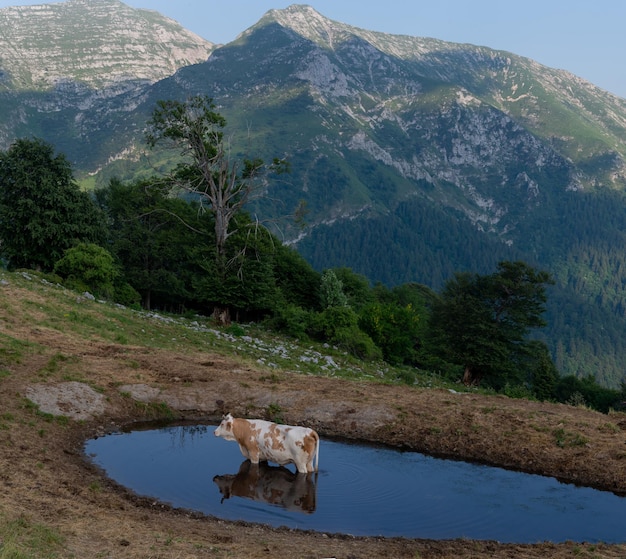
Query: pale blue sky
585	37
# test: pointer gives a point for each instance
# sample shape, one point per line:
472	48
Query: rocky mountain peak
308	23
95	42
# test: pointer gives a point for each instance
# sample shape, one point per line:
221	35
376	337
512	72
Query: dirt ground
45	479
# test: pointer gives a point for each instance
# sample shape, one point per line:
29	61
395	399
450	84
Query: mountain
96	43
63	67
416	157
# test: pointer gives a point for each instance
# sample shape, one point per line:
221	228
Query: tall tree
331	291
151	235
42	210
207	170
222	184
481	322
248	288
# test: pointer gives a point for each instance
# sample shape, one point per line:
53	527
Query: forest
183	241
581	245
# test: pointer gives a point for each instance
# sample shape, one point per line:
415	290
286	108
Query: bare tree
222	184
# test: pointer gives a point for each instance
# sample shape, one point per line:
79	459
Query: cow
264	441
274	485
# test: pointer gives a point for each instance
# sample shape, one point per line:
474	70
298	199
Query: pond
359	490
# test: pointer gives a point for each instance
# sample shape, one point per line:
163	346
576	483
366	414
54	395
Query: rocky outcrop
96	42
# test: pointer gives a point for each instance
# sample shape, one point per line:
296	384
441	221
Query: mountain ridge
433	55
415	157
329	81
97	42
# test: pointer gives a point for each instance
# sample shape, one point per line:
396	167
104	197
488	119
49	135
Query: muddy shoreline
514	434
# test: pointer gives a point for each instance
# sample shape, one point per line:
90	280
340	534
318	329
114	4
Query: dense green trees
154	237
588	392
42	210
298	282
394	329
481	322
585	254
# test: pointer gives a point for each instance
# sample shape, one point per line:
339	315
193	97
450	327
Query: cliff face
96	43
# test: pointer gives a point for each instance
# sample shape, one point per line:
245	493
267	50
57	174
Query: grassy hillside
52	308
55	504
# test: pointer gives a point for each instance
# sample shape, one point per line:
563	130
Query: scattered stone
141	392
75	400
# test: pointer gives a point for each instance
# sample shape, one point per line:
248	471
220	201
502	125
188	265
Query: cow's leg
253	454
302	466
245	452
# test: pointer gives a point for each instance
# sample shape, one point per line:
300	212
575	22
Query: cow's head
225	428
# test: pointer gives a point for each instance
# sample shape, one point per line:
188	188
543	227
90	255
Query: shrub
518	391
358	343
290	320
88	267
407	376
327	325
125	294
339	326
235	330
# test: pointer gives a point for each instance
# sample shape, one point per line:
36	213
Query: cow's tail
317	454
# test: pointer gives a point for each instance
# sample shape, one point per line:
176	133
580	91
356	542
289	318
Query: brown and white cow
261	441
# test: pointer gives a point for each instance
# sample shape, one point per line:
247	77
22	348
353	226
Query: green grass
159	410
565	439
58	362
12	350
21	538
65	311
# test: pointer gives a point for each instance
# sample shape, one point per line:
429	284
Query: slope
415	158
96	43
62	354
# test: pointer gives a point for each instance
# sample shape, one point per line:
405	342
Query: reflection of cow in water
275	485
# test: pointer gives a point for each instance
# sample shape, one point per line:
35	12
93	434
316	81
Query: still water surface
360	490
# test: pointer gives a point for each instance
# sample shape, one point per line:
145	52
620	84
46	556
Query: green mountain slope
416	158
